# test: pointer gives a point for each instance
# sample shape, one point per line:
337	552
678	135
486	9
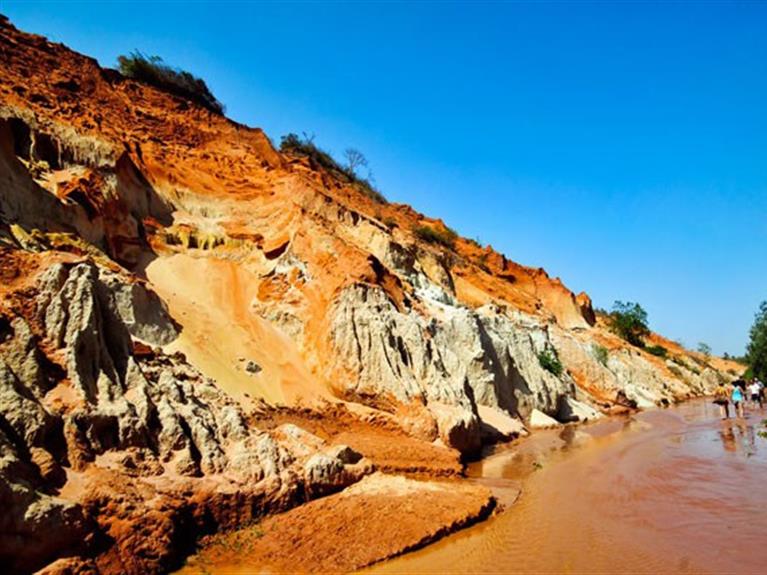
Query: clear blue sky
622	147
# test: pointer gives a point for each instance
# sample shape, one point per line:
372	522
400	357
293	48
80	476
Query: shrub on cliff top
294	144
298	146
152	70
442	236
629	321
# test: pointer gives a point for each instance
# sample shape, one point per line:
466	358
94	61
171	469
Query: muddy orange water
666	491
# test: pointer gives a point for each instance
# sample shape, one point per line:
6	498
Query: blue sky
623	147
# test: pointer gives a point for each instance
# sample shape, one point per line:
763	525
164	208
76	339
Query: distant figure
755	391
737	397
722	399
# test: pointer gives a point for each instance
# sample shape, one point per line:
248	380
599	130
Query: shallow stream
675	490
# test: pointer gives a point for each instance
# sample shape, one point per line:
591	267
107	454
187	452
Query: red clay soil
376	519
377	438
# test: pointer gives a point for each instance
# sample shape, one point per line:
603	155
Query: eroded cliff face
100	428
179	299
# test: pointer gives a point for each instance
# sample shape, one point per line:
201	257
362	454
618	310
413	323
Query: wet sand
666	491
379	517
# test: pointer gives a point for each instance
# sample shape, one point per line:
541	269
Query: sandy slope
212	299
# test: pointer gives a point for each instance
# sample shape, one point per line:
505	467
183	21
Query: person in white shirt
755	390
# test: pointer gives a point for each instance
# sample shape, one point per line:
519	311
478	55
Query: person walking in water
755	391
737	397
722	399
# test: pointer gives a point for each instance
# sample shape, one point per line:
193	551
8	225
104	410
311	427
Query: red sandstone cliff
169	278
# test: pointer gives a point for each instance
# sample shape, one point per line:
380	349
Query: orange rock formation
192	321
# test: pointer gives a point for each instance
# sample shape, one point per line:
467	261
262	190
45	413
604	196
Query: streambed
672	490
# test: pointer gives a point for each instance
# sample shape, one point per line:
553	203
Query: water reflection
567	435
738	436
728	439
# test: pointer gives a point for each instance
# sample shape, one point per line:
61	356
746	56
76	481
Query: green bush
629	321
658	350
549	360
442	236
152	70
297	146
756	352
600	353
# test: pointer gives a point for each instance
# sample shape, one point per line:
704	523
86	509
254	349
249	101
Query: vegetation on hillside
601	353
549	360
629	321
658	350
742	359
705	349
676	371
304	146
443	236
756	351
691	366
152	70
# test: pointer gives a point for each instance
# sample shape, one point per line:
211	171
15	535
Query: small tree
705	349
629	321
290	142
756	352
354	160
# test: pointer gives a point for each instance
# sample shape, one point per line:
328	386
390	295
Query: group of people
738	393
